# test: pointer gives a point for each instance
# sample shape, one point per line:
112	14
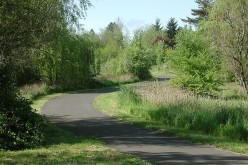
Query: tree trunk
243	82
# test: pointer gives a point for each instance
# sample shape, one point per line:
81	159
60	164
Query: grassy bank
219	122
39	90
65	148
62	147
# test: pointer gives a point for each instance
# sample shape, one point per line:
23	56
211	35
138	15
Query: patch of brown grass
162	94
117	78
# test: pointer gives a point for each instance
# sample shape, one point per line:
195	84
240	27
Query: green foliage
128	96
201	13
27	27
200	115
20	127
64	147
34	91
112	39
159	54
70	64
112	44
139	58
221	122
196	62
171	30
117	55
157	26
149	35
227	27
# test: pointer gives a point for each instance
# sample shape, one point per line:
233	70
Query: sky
135	14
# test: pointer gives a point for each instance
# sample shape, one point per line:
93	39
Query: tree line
41	40
38	42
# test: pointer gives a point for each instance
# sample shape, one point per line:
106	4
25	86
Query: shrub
139	58
196	62
20	127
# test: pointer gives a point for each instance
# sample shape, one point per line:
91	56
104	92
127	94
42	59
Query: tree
157	26
196	62
27	26
113	42
228	28
138	59
201	13
171	30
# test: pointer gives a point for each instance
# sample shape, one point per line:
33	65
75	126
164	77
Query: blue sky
136	13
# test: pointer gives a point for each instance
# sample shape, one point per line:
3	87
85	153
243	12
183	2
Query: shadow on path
75	113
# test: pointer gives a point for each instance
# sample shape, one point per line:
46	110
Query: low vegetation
49	46
219	121
62	147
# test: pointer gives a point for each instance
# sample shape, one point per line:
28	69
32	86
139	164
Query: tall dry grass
34	91
177	108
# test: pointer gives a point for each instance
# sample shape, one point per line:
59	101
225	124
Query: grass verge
37	104
62	147
66	148
141	115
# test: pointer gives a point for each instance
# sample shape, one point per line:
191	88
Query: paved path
74	112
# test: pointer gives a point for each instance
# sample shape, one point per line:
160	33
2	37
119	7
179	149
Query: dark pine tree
157	25
201	13
171	30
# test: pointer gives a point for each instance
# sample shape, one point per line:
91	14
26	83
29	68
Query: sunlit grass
219	122
63	147
38	104
159	70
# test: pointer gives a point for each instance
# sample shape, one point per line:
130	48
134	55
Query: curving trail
74	112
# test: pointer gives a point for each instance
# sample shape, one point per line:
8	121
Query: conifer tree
157	25
201	13
171	30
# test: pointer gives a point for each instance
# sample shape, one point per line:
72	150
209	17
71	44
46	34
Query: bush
139	59
20	127
196	62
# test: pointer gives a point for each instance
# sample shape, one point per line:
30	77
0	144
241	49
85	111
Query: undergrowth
179	109
62	147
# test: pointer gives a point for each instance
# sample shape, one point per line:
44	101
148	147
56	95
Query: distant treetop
201	13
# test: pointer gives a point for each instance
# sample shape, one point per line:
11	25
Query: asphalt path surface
74	112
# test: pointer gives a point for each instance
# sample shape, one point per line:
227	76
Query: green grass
110	80
62	147
232	91
153	116
65	148
38	103
157	71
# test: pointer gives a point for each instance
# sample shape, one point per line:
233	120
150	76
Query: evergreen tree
199	14
171	29
157	25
